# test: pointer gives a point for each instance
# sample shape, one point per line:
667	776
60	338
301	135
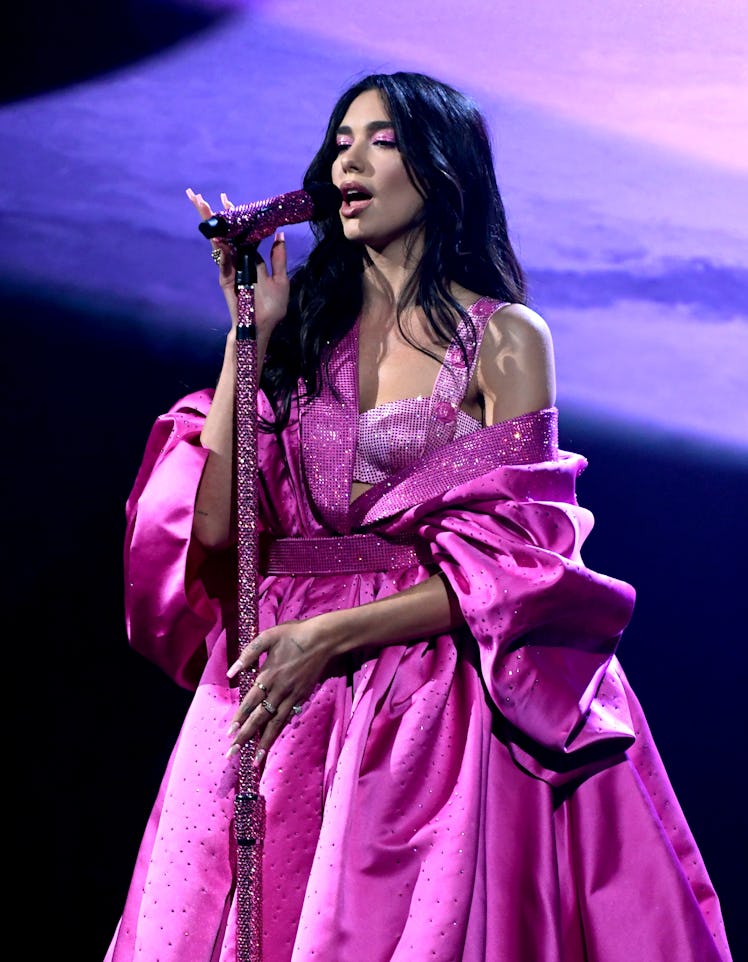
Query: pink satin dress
491	794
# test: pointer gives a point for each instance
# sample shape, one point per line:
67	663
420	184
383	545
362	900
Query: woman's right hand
272	287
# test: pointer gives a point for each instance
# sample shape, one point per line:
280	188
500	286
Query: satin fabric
490	795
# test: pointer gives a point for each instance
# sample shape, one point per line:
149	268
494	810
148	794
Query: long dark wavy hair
446	149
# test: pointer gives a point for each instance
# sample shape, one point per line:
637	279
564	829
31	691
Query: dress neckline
329	424
427	398
424	399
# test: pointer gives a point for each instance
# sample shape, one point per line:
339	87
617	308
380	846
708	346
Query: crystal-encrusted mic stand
249	805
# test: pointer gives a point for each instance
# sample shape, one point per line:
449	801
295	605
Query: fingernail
259	755
233	729
234	670
234	750
280	237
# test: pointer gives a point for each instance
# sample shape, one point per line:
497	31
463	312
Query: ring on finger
217	255
297	709
269	707
259	684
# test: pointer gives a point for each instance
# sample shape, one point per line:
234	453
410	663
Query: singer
454	765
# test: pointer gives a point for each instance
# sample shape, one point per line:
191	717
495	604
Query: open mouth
355	199
353	194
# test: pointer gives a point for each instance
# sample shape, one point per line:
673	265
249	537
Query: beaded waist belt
348	554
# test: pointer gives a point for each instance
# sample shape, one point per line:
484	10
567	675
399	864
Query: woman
470	776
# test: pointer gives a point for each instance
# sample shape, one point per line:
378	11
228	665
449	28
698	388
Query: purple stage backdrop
621	138
621	134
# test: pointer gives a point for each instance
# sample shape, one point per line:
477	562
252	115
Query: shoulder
516	368
516	326
515	332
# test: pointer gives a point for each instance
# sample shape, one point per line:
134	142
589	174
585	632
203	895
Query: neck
388	271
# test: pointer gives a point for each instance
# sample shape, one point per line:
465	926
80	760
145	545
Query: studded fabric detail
397	434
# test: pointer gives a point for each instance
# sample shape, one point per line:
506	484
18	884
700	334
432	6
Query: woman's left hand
296	656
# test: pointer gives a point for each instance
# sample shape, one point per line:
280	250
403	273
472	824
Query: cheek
411	200
401	184
395	185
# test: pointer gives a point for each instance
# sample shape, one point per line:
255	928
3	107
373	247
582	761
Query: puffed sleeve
547	626
169	612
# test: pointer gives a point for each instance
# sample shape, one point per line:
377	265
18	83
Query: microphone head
212	227
326	198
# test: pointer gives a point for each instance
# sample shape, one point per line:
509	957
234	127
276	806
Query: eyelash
376	142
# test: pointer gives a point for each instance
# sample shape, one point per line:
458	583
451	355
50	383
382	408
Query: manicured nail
233	729
234	670
234	750
259	755
280	237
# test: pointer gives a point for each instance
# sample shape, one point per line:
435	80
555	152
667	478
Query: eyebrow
370	127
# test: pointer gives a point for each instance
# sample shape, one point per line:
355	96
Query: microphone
250	223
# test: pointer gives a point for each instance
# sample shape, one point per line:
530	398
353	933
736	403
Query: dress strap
454	376
329	432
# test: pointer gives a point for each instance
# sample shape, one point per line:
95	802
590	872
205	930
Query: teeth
356	195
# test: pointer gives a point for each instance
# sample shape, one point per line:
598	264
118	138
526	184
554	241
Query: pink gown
487	795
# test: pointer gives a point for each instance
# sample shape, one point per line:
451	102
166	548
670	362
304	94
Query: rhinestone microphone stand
247	225
249	805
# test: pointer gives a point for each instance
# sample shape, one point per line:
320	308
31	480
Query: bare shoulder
518	325
516	368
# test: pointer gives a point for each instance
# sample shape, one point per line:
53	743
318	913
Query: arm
298	651
516	367
212	526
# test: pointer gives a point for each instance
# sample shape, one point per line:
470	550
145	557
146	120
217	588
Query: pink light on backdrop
673	73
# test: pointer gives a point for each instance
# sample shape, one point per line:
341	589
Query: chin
352	229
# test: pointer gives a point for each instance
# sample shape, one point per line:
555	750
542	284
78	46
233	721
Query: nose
353	158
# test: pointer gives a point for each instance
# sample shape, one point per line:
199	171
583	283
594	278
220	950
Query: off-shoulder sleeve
168	611
547	626
508	538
